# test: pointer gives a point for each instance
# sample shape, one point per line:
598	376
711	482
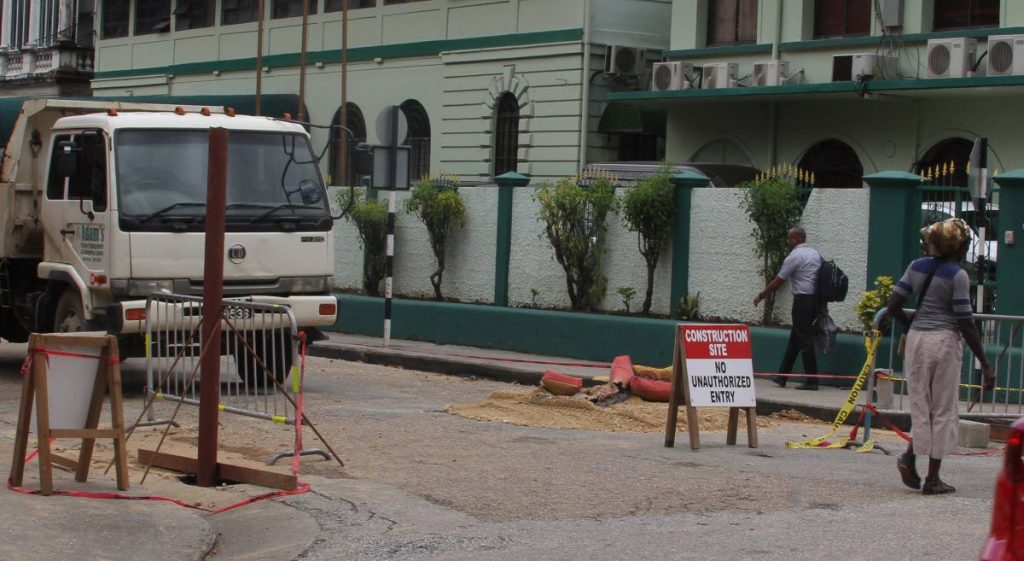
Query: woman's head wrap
944	239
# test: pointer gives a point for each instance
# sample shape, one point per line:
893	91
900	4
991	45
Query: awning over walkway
626	117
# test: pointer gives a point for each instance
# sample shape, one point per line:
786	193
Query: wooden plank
733	427
84	434
241	474
66	463
117	413
39	368
673	401
752	427
24	424
84	340
92	420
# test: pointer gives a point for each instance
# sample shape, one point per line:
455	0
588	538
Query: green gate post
503	250
893	223
684	184
1010	272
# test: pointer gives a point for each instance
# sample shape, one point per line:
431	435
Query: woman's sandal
908	474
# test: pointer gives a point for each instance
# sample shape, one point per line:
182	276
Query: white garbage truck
102	204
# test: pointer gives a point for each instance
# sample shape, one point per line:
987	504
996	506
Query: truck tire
69	315
277	355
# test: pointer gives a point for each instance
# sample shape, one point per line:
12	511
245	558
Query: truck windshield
273	180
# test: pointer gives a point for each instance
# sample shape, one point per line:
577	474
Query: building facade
843	88
487	86
46	47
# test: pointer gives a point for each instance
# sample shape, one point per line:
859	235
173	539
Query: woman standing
934	349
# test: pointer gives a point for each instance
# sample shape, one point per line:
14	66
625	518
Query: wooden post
213	293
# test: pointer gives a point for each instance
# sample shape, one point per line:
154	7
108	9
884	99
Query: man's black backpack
832	282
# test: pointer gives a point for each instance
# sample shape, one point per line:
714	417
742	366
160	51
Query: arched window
357	125
834	165
418	138
955	152
722	151
506	135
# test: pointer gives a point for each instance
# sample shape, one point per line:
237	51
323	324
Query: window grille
841	18
152	16
732	21
506	135
958	14
418	139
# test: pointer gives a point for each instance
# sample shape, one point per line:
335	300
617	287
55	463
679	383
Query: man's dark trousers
801	336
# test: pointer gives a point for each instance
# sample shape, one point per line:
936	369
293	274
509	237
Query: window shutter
722	21
746	25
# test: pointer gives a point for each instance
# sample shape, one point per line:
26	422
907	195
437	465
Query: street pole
213	294
343	172
302	62
259	56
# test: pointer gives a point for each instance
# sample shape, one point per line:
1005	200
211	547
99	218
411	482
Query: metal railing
1003	340
259	357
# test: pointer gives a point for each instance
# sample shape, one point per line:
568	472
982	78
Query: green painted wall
565	334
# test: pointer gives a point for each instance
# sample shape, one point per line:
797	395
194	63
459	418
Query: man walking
800	268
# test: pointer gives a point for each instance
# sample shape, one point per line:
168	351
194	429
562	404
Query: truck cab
108	202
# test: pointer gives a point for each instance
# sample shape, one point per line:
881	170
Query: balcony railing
40	62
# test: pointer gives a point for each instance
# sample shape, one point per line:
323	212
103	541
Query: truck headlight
311	284
147	287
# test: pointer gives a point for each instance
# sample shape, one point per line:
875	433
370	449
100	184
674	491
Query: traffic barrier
1003	339
259	361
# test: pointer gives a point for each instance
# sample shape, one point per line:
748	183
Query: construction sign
712	367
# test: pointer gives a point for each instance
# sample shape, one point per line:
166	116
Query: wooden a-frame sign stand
34	386
681	396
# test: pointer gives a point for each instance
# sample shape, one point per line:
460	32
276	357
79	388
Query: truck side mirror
310	192
65	159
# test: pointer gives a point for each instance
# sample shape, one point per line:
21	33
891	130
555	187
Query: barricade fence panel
258	352
1003	340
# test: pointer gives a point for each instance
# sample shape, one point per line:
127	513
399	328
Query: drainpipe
773	114
585	80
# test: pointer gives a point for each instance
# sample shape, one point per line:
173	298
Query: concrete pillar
1010	260
33	21
894	219
6	24
503	247
66	19
684	184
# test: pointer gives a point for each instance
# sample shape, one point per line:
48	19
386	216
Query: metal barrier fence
259	353
1003	340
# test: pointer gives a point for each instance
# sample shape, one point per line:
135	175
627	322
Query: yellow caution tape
158	395
871	346
279	419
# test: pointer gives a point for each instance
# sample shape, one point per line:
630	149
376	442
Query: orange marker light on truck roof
205	111
112	112
179	110
229	111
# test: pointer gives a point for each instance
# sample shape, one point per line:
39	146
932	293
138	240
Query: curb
501	373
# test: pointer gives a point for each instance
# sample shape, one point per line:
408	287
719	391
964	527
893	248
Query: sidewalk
527	369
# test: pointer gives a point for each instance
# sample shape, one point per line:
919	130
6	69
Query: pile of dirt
793	415
538	408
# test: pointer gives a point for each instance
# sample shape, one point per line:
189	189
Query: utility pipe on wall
773	111
585	80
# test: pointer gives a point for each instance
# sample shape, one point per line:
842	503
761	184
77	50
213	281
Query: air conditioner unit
1006	55
715	75
671	76
626	61
876	67
951	58
770	73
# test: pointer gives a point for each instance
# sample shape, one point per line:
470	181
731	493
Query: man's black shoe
779	381
812	386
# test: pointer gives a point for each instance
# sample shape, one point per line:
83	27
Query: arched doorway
418	138
834	163
357	124
506	134
722	151
952	152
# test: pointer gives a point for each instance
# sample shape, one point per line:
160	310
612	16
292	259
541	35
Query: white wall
723	266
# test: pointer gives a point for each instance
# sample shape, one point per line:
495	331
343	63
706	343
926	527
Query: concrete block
974	434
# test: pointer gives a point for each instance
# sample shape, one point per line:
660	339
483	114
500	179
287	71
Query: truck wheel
69	315
276	354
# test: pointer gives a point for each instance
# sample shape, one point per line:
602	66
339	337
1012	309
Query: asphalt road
420	484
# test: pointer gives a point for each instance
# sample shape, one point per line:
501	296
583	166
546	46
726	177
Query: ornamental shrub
773	206
574	212
872	301
649	210
370	217
437	203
